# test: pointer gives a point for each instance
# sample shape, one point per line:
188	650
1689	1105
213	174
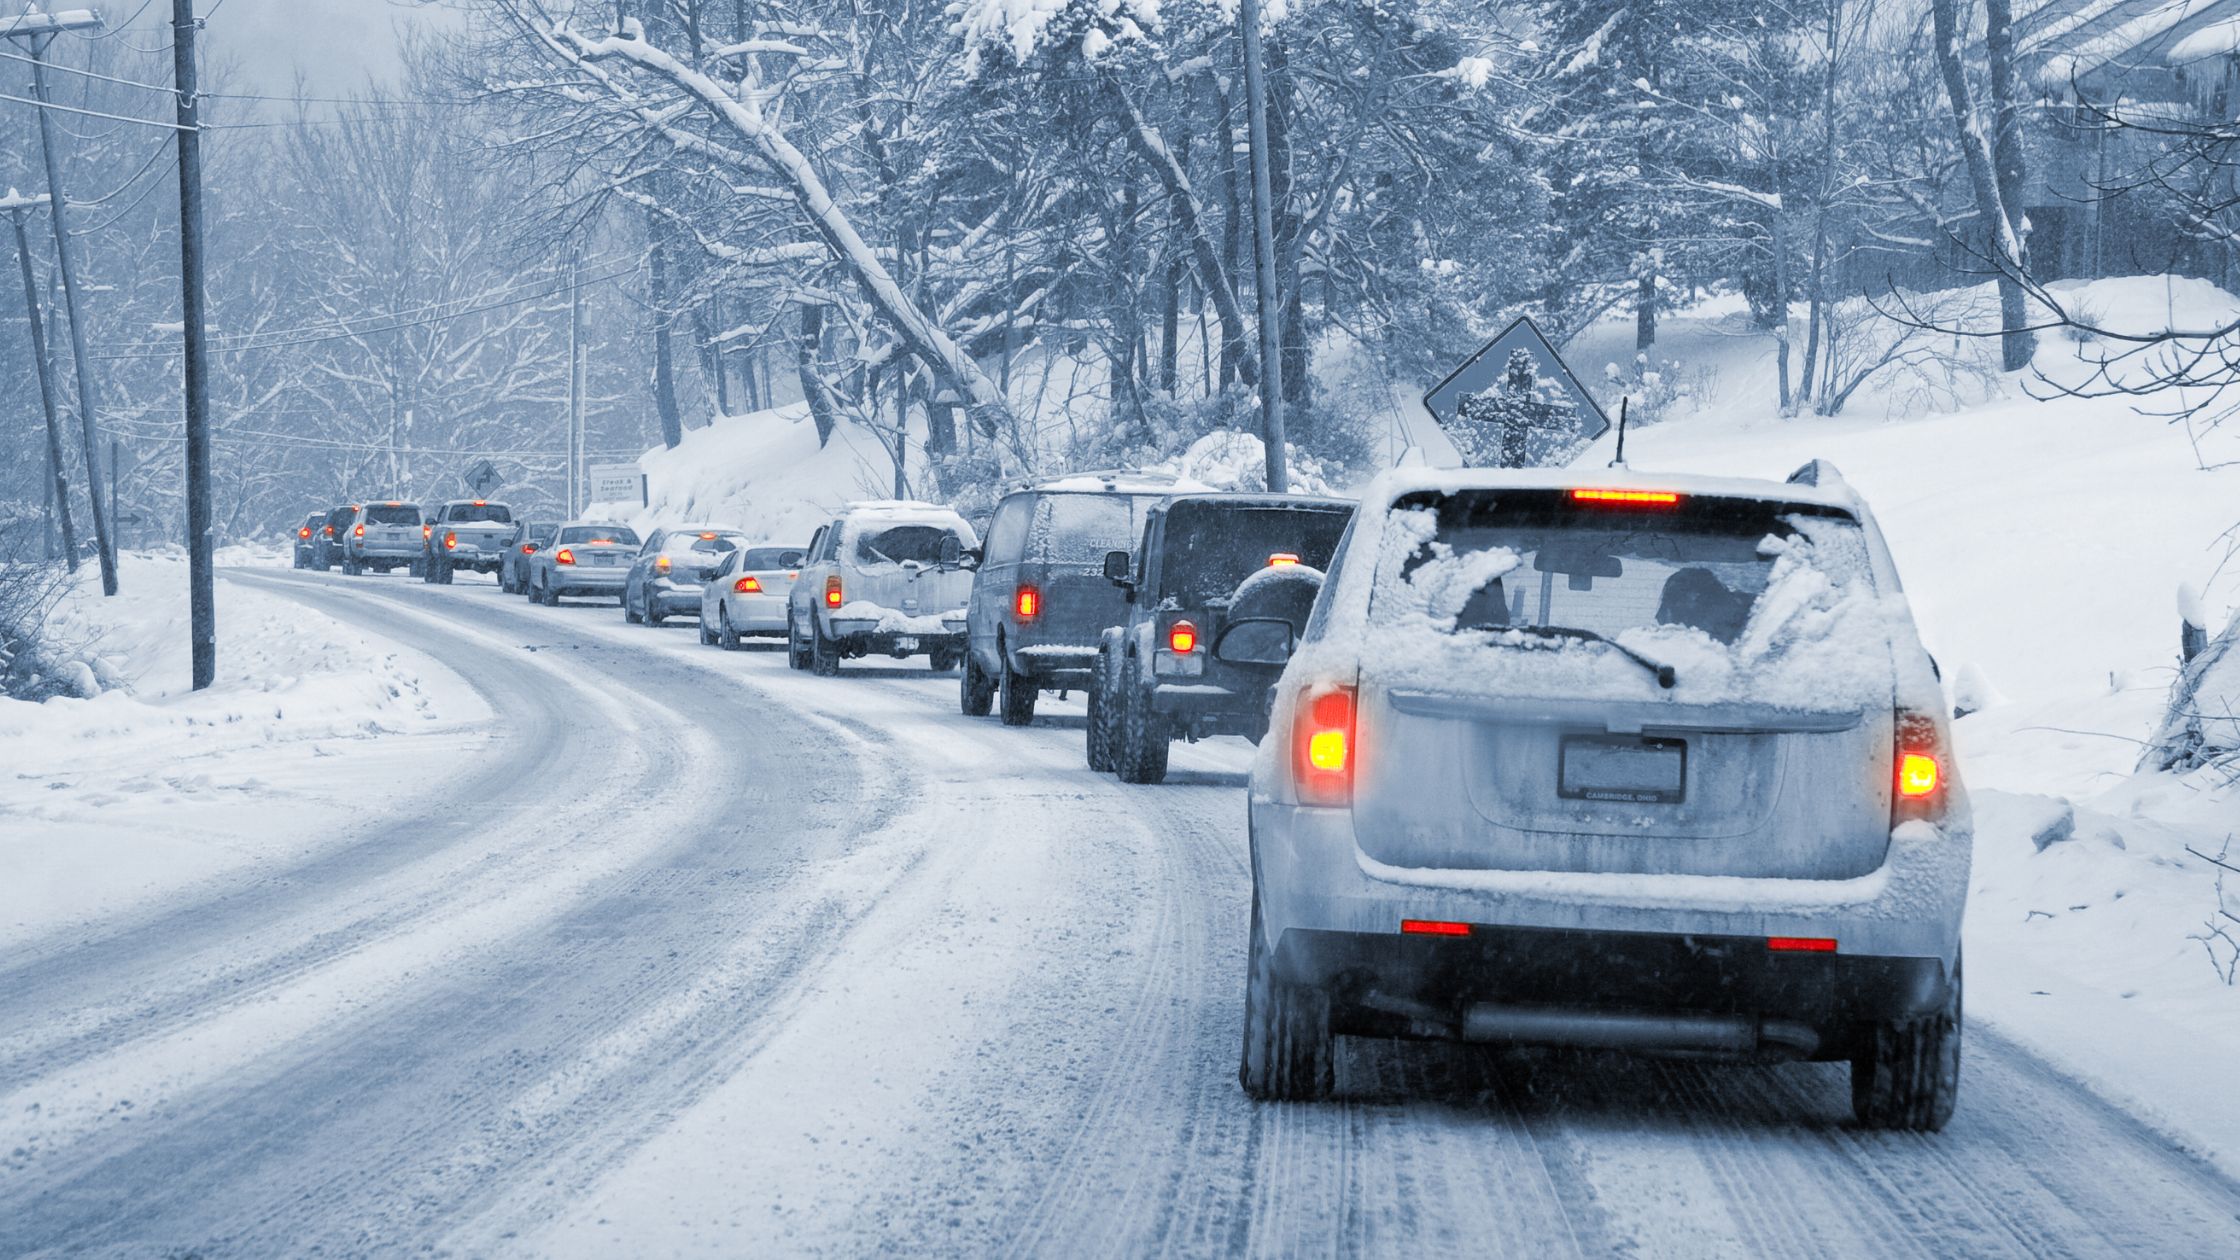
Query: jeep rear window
1081	528
466	513
898	543
393	514
1211	547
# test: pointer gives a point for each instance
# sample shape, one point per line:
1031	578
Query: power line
90	113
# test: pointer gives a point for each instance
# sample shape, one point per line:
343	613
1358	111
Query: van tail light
358	531
564	556
1182	638
1918	769
748	585
1322	745
450	541
832	591
1027	603
661	564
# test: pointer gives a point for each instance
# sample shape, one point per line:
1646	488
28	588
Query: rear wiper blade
1665	674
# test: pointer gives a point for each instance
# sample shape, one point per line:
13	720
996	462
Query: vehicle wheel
797	653
707	636
629	614
1100	715
351	568
824	654
654	616
1141	756
975	693
443	572
548	596
728	632
1907	1074
1018	694
1287	1043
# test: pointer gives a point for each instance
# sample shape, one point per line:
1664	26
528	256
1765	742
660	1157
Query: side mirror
1119	568
952	551
1255	641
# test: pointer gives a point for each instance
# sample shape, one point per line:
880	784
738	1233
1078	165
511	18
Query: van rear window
1081	528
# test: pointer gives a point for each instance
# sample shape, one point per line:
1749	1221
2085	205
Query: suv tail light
427	530
832	591
450	541
358	531
1917	791
564	556
1182	638
1322	746
1027	603
748	585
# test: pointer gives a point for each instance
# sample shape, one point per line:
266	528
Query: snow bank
762	472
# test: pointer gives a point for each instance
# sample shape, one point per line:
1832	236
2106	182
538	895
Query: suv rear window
897	543
763	559
617	534
393	514
1081	528
467	513
1209	548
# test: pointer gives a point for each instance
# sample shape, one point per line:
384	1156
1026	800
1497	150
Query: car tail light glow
1182	638
1027	603
832	591
330	531
1917	769
1282	560
1801	944
708	537
748	585
1635	498
482	503
1434	927
450	541
1917	774
1323	746
528	549
564	556
427	531
661	564
304	532
358	531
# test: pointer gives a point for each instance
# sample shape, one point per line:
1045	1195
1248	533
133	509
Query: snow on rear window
1748	601
1081	528
898	543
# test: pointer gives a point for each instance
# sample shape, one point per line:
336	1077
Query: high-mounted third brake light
708	537
832	597
1026	602
1635	498
1434	927
1322	747
1182	638
1801	944
1282	560
564	556
748	585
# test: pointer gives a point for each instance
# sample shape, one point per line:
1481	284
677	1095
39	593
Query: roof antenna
1620	461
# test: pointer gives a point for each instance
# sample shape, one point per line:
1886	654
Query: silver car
747	595
666	577
886	578
585	558
1651	764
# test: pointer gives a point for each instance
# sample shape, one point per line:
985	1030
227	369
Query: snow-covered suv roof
1824	488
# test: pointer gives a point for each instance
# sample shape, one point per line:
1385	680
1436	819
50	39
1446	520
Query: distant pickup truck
466	534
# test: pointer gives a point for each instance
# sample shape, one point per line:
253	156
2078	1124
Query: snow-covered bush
29	669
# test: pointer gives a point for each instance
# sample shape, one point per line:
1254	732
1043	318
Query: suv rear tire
1142	753
629	614
1906	1074
797	653
1017	692
1287	1043
351	568
1100	715
824	654
975	693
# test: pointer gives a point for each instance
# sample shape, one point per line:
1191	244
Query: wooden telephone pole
201	575
58	486
1264	249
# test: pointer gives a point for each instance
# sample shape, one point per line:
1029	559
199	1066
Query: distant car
1040	600
665	579
886	578
585	558
331	531
307	540
528	538
469	534
747	596
380	537
1205	560
1597	759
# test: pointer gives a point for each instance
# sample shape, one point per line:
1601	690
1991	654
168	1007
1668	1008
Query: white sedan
747	595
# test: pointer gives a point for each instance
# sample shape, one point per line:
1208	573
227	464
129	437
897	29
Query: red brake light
1182	638
450	540
1917	769
1322	747
1434	927
661	564
528	549
395	503
358	532
748	585
708	537
1917	774
1027	602
1801	944
1635	498
832	591
330	531
1282	560
427	530
564	556
482	503
304	532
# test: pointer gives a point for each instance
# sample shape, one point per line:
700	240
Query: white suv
882	577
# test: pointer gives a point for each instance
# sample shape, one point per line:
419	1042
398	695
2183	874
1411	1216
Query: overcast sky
336	44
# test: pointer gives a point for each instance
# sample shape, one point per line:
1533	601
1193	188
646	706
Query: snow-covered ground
150	791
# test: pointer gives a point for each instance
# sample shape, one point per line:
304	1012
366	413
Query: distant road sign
618	483
482	477
1479	372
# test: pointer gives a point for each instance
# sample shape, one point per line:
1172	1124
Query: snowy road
717	958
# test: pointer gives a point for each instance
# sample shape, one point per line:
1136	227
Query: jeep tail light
748	585
1322	741
1027	602
358	531
832	591
1917	762
450	541
564	556
1182	638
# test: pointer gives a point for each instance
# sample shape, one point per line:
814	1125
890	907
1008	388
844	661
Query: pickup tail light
1917	769
1182	638
832	597
1027	603
564	556
748	585
1322	743
450	541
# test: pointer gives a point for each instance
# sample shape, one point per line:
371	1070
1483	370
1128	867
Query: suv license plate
905	643
1636	769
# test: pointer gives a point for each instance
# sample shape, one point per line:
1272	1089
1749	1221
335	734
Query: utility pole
575	380
201	568
58	479
34	31
1264	251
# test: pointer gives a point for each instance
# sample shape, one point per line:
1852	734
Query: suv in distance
307	540
1205	560
528	538
381	537
883	577
1604	760
1039	595
665	580
466	534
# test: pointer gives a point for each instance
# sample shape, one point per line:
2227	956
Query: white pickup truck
465	534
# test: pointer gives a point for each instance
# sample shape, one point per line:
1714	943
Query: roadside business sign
618	483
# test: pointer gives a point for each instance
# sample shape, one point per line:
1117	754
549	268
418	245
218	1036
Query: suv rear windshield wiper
1665	674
